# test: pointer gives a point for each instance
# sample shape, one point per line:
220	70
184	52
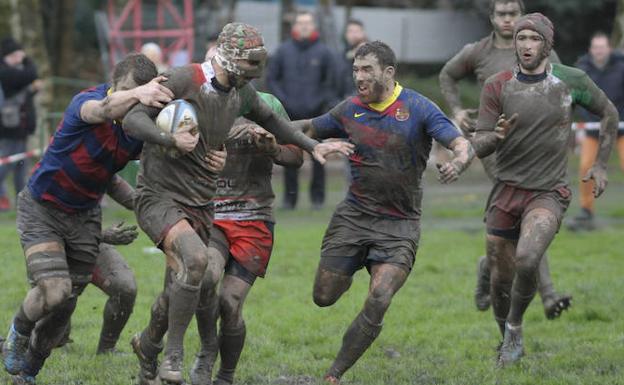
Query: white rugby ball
177	113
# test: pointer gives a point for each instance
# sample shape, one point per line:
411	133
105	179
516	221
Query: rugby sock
500	294
522	292
116	313
50	330
358	337
231	343
22	324
546	288
183	299
207	314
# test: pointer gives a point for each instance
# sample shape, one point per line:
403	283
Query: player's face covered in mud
504	18
371	80
530	49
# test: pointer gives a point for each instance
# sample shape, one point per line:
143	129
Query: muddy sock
158	323
231	342
207	314
183	299
522	292
501	301
51	329
546	287
116	313
358	337
22	324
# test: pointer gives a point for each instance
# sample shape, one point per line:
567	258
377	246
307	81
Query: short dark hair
382	51
355	22
143	69
494	2
598	34
305	12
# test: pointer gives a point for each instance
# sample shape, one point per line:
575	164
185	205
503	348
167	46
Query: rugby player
484	58
524	119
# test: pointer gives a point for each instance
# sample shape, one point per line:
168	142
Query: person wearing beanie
18	120
302	74
525	119
483	59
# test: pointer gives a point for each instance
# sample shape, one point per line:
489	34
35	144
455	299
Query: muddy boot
582	222
482	291
513	346
170	371
147	353
554	305
14	351
201	373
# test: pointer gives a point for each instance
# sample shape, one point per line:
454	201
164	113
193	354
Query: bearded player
174	192
377	226
524	119
485	58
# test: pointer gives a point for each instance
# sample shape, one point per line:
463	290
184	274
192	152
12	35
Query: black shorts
355	239
79	233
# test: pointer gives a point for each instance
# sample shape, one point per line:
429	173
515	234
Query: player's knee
195	266
229	304
211	279
323	298
379	298
527	263
55	291
126	291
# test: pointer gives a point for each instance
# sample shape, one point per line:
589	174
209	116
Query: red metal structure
173	29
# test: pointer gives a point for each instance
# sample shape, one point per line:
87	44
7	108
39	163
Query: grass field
432	333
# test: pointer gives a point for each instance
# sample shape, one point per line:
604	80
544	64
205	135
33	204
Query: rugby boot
148	360
14	351
554	305
201	373
513	347
170	371
219	381
23	379
582	222
482	291
331	379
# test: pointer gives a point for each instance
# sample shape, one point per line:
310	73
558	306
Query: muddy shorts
507	206
39	223
249	245
355	239
157	215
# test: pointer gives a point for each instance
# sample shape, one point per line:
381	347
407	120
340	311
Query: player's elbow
130	123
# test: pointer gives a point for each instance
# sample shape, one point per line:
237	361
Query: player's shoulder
499	78
478	47
416	101
573	76
273	102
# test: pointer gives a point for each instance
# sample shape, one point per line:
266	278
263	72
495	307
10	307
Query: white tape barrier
21	156
591	126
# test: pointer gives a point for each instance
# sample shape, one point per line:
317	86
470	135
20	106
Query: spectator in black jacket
301	74
606	69
18	120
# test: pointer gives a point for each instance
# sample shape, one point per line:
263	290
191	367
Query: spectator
18	76
301	75
354	37
154	53
606	69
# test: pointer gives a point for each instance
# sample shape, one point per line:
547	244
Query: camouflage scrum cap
538	23
241	41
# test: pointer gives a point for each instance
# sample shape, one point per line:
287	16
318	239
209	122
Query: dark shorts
355	239
507	206
79	232
157	215
250	243
596	133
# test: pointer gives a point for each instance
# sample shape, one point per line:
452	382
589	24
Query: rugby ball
175	115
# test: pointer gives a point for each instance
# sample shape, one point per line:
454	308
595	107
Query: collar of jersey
382	106
209	73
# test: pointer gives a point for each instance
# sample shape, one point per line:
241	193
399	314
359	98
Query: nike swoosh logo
358	115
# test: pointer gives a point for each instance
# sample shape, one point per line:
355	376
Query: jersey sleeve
587	94
438	125
457	68
490	106
329	125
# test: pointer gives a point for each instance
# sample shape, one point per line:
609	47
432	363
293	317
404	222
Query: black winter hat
9	45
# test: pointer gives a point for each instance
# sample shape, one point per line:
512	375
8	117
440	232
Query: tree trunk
287	18
618	26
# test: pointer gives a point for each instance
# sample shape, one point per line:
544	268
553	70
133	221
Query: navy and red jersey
392	144
82	157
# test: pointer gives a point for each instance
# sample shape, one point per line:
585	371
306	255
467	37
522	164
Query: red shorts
250	243
508	205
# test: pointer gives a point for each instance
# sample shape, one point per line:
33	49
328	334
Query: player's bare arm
121	192
453	71
119	102
485	142
464	154
282	154
608	134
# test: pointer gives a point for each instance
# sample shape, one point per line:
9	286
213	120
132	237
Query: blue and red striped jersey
392	141
82	157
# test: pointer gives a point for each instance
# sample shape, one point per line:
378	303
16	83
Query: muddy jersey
534	153
187	179
392	144
244	191
482	59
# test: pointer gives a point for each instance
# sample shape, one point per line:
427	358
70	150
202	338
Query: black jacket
15	80
301	74
610	79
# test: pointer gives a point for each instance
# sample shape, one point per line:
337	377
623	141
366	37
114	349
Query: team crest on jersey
402	114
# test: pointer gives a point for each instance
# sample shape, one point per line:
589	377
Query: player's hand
449	172
154	94
264	140
599	175
186	137
216	160
466	121
504	125
119	234
321	150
